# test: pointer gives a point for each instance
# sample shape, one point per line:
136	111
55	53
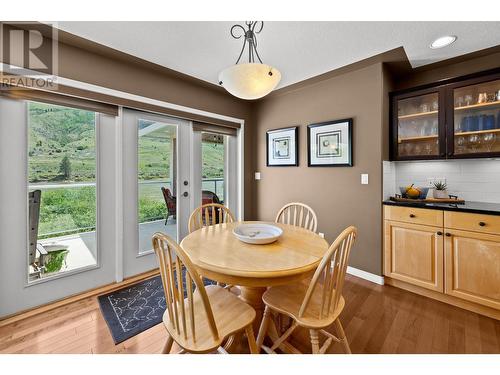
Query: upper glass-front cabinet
460	119
418	126
476	119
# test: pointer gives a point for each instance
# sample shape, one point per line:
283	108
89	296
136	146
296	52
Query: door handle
448	234
185	194
439	233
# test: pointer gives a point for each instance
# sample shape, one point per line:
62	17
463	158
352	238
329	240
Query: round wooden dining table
220	256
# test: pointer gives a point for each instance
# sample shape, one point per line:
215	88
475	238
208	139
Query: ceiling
300	50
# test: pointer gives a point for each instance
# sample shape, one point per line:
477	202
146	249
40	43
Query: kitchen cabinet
472	267
456	255
414	253
458	118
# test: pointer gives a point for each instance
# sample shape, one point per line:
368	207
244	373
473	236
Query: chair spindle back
172	262
331	271
298	214
209	214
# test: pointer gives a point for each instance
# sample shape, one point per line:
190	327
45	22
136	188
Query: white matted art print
329	144
282	147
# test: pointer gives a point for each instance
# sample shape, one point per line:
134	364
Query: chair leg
254	349
314	341
342	336
168	345
263	326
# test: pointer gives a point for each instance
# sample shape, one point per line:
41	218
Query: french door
175	169
156	185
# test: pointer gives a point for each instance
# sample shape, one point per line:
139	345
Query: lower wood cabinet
458	257
472	267
414	253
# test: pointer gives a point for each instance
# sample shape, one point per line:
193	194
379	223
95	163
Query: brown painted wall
336	194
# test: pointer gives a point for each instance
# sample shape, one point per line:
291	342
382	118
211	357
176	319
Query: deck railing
216	185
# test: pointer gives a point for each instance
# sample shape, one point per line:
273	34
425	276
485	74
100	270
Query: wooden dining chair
198	318
209	214
314	305
298	214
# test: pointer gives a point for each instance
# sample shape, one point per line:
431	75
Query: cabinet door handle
412	215
448	234
439	233
482	223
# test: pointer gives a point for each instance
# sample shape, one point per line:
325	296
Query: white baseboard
365	275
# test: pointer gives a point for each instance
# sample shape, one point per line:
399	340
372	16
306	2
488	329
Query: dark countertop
471	207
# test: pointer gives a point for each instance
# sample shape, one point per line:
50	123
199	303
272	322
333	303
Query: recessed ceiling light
443	41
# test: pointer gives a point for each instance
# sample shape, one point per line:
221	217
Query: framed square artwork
329	144
283	147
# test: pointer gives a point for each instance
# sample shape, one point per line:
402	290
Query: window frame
97	264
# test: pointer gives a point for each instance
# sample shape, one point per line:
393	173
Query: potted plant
440	190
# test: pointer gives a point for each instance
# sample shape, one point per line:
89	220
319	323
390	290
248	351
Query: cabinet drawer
472	222
414	215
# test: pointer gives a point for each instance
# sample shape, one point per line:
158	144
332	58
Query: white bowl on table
257	234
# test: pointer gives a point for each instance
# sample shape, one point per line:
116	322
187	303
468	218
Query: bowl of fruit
414	192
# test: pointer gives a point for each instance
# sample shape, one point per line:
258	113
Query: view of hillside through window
62	189
62	152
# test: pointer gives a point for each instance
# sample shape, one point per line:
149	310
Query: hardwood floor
377	319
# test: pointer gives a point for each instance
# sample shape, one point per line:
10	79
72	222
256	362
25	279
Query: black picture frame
350	160
296	138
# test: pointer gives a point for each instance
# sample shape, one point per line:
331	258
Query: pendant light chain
250	38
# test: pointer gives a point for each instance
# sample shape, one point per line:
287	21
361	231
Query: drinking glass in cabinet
418	125
477	118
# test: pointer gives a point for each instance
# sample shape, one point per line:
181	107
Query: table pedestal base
253	296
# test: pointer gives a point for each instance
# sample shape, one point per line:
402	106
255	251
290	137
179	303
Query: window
157	176
62	169
213	167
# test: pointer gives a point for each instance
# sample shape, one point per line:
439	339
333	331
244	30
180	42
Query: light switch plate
322	235
257	175
364	179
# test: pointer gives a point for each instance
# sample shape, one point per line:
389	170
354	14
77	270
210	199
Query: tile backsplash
473	180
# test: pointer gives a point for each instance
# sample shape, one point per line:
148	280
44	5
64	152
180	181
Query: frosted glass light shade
250	80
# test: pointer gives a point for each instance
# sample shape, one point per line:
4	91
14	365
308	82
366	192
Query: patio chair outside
170	203
38	254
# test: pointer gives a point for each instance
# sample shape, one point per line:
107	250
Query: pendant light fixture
251	80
